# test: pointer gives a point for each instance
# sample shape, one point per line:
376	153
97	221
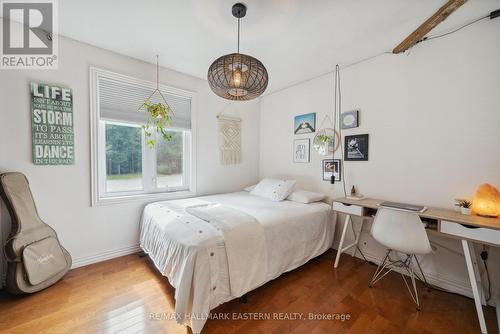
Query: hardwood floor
121	296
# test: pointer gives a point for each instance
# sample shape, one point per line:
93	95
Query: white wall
62	193
433	117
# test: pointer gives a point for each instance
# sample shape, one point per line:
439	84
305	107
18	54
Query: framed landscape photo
301	150
356	148
332	167
305	123
349	119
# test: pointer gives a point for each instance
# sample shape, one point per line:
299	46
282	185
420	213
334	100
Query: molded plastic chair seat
403	232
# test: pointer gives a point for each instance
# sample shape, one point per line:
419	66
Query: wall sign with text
52	125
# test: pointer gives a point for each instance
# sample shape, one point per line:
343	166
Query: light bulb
237	77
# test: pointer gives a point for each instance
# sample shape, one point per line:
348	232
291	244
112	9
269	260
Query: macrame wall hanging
229	140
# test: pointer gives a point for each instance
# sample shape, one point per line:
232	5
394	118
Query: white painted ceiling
295	39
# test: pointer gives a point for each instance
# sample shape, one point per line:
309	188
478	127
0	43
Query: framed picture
349	119
356	148
301	150
305	123
331	167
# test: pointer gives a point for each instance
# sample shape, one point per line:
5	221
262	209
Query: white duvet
245	244
193	255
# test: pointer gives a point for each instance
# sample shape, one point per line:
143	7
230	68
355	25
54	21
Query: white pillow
273	189
306	197
250	188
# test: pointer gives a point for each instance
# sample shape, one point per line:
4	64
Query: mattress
192	254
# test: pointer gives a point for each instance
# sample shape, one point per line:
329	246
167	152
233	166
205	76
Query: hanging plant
324	138
159	119
159	114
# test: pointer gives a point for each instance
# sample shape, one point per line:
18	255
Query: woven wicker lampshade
237	76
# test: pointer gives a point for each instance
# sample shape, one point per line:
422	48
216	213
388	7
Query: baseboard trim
103	256
446	283
460	287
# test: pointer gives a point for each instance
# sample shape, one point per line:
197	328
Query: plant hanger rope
159	114
324	120
157	89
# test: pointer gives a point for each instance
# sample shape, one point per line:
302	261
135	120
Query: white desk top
434	213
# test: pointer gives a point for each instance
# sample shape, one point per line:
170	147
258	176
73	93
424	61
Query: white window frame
97	148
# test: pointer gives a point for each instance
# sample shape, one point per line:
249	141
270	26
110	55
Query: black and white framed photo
301	150
332	167
356	148
349	119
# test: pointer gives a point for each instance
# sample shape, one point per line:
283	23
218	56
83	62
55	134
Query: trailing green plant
464	204
324	138
159	119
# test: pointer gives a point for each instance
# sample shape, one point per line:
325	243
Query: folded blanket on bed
245	245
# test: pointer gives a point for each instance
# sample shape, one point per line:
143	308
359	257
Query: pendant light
237	76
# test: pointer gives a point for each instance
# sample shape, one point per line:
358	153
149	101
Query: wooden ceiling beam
431	23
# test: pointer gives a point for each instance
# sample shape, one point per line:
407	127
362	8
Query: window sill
162	196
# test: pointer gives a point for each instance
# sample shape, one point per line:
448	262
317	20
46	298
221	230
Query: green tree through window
123	149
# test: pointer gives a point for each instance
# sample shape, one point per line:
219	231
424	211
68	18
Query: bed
209	264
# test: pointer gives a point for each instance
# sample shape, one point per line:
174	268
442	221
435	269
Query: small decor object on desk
349	119
301	150
464	206
355	195
305	123
486	201
356	148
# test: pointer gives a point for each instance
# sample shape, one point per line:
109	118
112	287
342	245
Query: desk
446	223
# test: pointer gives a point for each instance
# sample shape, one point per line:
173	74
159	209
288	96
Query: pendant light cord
336	116
238	35
336	122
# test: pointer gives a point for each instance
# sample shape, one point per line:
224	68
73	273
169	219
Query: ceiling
295	39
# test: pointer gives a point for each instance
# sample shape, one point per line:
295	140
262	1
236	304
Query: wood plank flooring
124	294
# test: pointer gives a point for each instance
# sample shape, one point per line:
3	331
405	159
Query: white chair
403	232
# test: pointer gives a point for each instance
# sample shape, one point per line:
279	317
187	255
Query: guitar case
35	258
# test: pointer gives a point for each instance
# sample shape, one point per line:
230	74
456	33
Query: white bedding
191	253
245	244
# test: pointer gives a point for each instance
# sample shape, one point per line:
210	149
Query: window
170	162
123	166
123	157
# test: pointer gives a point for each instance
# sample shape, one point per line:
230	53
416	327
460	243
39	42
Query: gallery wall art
305	124
332	167
356	148
349	119
301	150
